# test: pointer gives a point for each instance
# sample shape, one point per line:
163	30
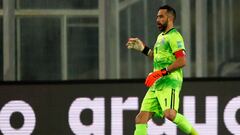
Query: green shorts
158	101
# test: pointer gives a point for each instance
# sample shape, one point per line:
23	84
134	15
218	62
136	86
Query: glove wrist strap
146	50
165	71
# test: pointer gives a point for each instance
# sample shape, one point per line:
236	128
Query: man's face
162	19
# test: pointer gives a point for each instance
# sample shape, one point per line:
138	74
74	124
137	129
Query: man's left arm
180	61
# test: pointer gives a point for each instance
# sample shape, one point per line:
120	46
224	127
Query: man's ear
170	17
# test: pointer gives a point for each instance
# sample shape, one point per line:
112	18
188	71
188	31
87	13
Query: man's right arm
137	44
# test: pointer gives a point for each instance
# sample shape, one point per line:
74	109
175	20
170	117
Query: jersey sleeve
176	42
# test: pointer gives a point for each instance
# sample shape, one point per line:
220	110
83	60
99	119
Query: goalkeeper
165	82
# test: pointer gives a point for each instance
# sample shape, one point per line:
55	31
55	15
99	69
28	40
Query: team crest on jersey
179	44
163	41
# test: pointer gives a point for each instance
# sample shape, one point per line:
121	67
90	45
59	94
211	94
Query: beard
163	27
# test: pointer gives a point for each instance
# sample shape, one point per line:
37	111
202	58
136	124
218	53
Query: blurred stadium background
74	46
85	39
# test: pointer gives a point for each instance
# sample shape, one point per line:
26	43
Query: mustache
159	24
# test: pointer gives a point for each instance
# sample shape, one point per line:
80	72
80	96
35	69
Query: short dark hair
169	10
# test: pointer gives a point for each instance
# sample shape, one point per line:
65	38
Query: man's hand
136	44
152	77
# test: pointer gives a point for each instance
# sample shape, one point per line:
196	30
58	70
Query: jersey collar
168	31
